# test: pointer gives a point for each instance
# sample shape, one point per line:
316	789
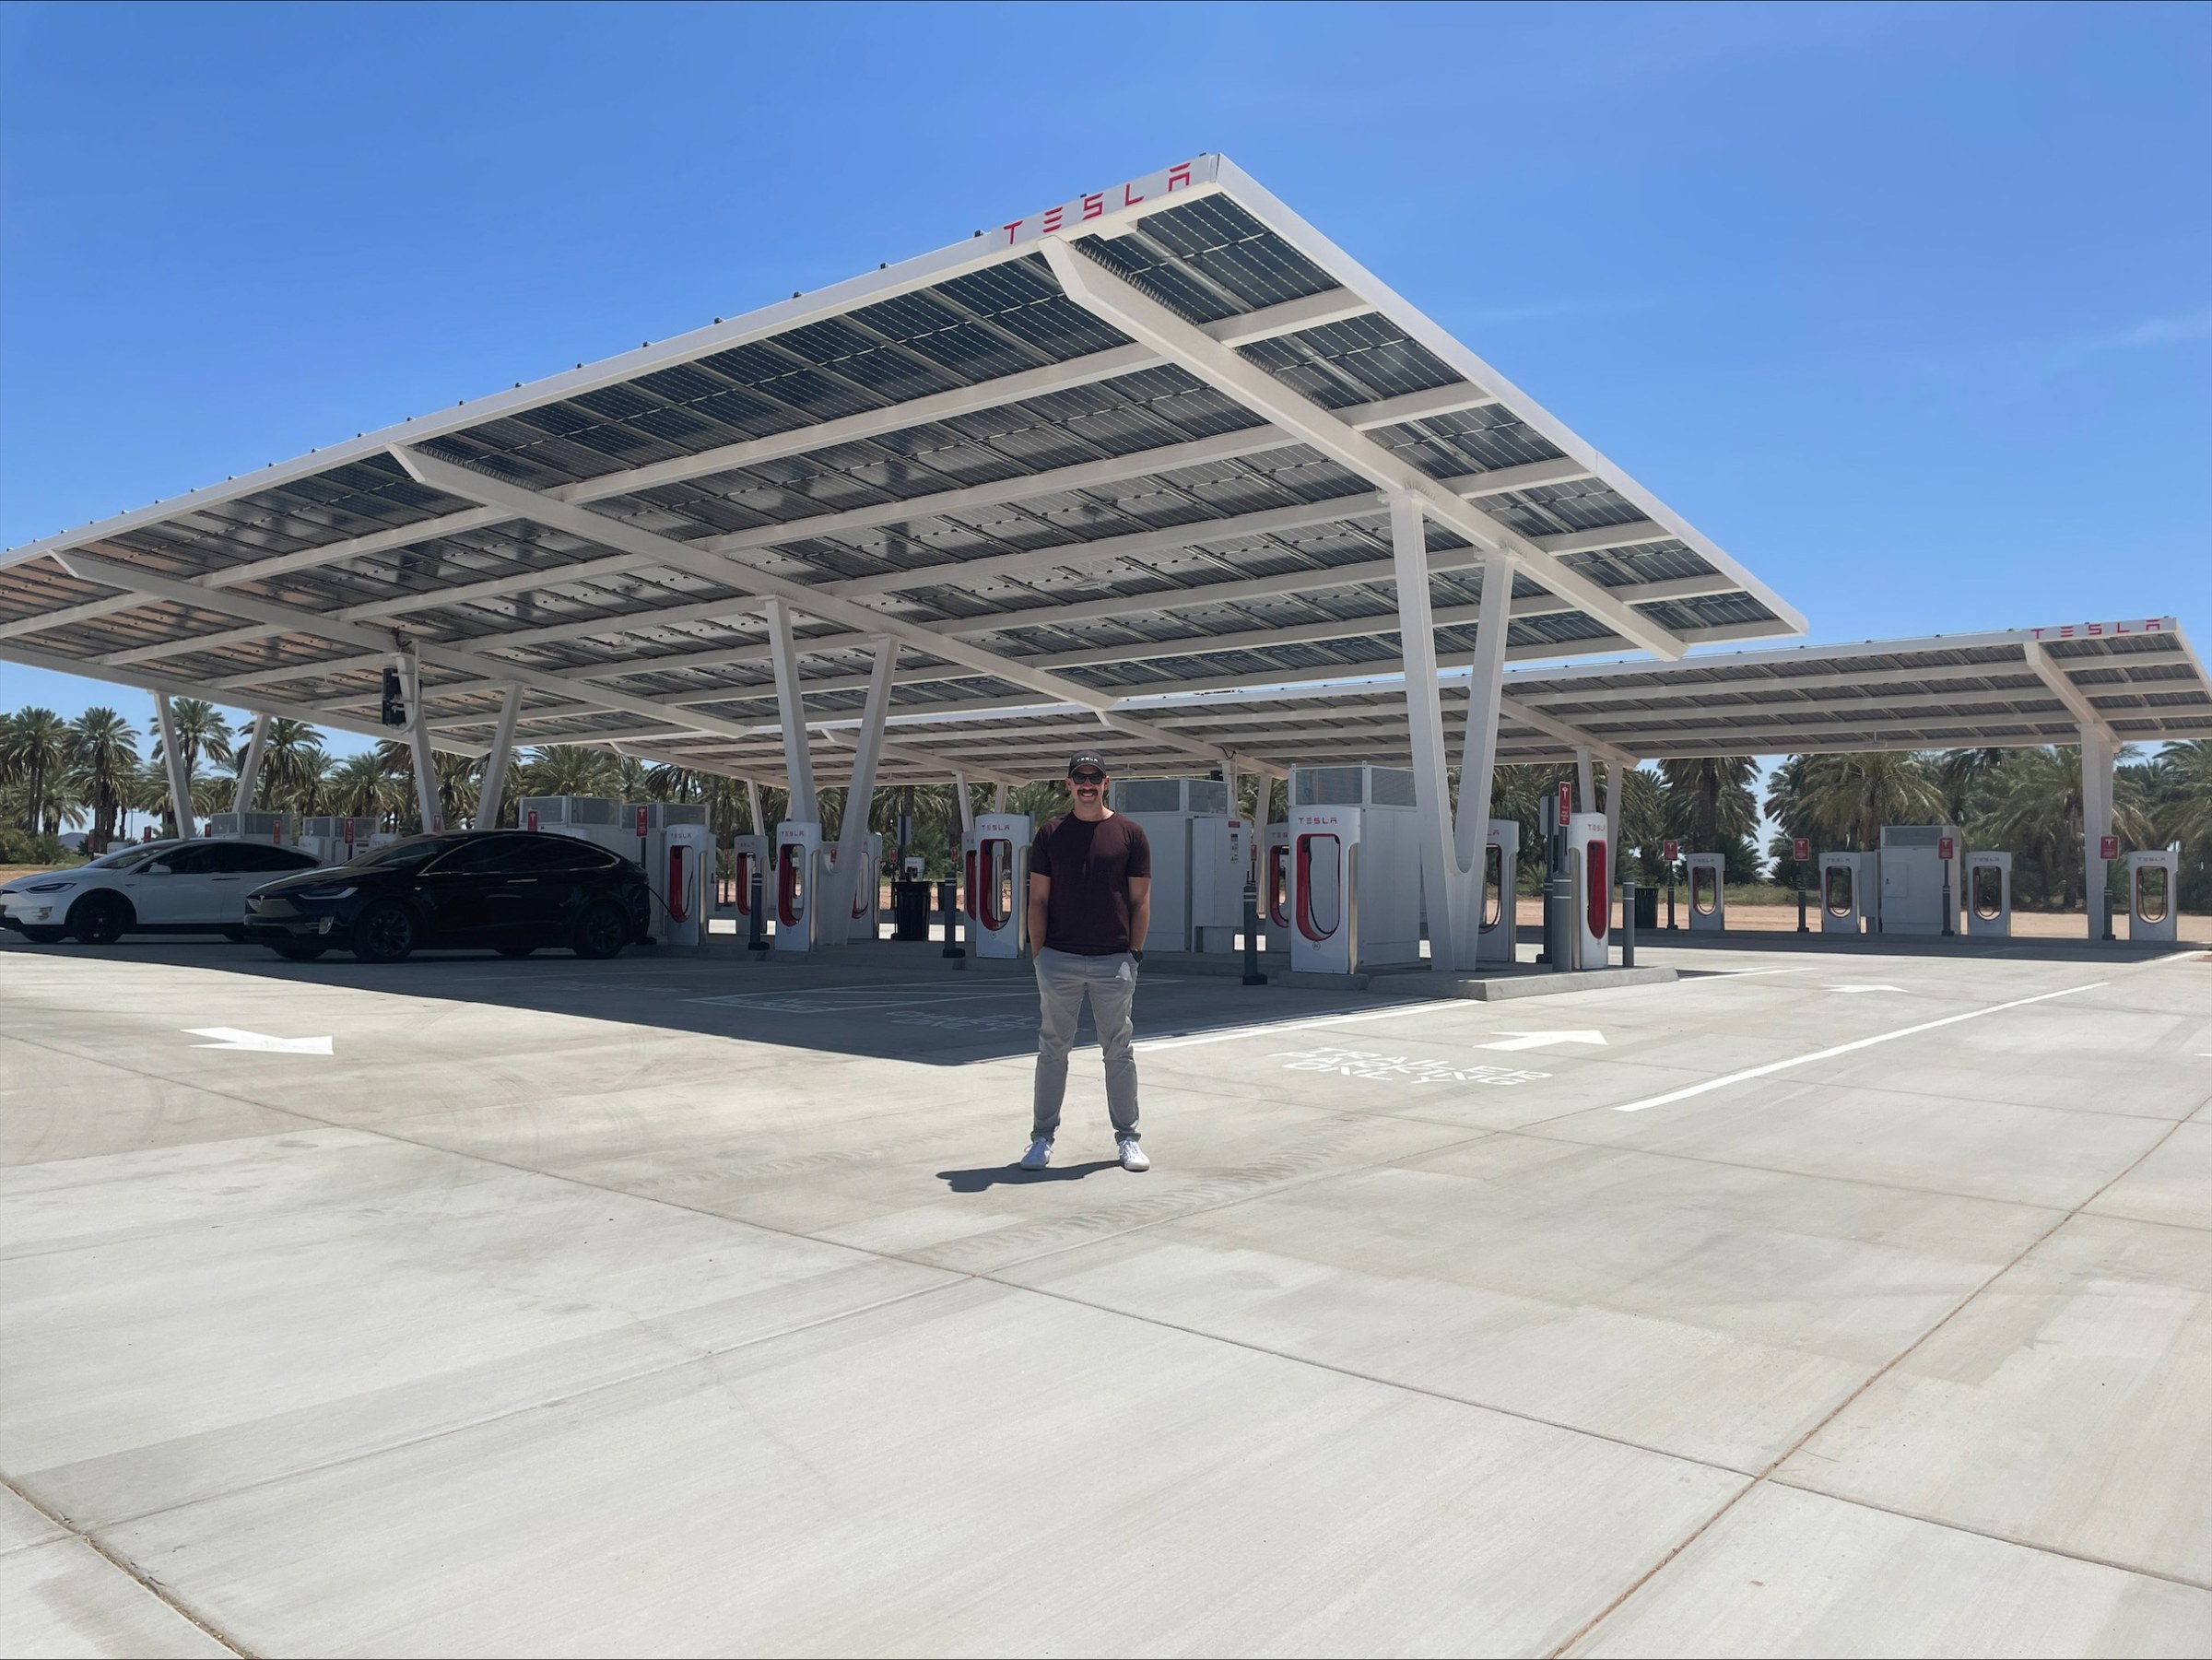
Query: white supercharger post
1355	869
749	857
2152	880
864	924
1708	892
1914	877
1497	924
1850	888
1000	894
793	883
1274	887
1989	893
1197	880
1590	860
685	858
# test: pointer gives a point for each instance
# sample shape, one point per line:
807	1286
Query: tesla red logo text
1099	203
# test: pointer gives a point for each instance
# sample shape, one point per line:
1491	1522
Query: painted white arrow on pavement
1544	1040
230	1037
1852	991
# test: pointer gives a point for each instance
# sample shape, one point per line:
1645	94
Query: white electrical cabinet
1916	877
1851	893
1989	893
599	819
1708	892
1355	869
253	827
1200	854
2152	882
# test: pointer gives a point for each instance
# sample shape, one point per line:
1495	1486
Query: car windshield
124	856
404	855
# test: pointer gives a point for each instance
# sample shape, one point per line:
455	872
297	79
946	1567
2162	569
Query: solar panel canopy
1139	443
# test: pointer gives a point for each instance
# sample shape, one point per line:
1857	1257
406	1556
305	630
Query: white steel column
998	802
493	793
1585	790
752	803
248	771
419	744
1443	874
1478	745
798	760
2097	756
1617	779
960	789
860	795
179	781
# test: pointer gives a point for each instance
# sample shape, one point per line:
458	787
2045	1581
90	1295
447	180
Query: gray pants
1063	979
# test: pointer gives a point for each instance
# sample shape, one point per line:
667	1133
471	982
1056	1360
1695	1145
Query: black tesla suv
506	891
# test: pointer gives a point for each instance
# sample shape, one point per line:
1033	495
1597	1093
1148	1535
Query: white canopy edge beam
578	520
1538	690
286	619
2062	686
1106	295
39	622
1417	406
158	683
1642	532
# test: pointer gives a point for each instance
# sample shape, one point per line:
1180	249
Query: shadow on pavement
1010	1176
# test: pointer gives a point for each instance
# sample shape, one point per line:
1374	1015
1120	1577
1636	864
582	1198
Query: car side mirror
158	868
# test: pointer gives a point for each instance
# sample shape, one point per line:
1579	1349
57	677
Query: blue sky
1907	307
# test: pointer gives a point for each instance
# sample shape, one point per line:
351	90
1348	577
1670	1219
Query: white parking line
1822	1055
1345	1019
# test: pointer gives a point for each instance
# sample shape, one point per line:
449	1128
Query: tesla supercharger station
2151	878
1199	857
748	858
1000	893
1914	875
863	922
683	868
1274	887
1708	892
792	885
1590	864
1494	938
1355	869
1989	893
1851	886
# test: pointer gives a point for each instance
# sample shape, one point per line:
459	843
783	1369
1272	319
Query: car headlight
48	887
322	893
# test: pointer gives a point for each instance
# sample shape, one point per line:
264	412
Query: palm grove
86	773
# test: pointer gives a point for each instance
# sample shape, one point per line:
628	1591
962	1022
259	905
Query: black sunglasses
1086	778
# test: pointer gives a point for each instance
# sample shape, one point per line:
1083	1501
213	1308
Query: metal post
1558	905
791	709
1628	926
1670	896
172	758
1948	929
493	793
949	900
757	935
249	771
1801	927
1252	931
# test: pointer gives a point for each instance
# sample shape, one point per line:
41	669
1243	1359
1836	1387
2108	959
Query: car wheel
603	931
100	919
44	936
383	933
300	950
515	950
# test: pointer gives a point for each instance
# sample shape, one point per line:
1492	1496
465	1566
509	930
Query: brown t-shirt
1089	862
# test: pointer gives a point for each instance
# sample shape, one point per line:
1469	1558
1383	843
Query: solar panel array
957	452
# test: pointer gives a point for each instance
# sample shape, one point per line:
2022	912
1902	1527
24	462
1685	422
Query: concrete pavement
691	1305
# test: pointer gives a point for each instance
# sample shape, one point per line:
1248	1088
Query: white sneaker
1038	1156
1132	1156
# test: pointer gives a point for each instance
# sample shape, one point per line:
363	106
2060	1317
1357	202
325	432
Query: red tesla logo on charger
2108	847
1801	848
1669	850
1944	846
641	821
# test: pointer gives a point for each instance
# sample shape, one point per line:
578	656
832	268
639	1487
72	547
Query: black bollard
1627	926
1801	927
757	935
949	900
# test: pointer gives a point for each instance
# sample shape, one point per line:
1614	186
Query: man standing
1091	902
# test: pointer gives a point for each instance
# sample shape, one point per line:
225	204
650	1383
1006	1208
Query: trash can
909	910
1647	910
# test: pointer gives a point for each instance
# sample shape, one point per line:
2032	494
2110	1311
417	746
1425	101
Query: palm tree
458	777
2036	811
1709	798
1852	796
200	731
363	786
293	765
103	753
1964	776
559	769
34	747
